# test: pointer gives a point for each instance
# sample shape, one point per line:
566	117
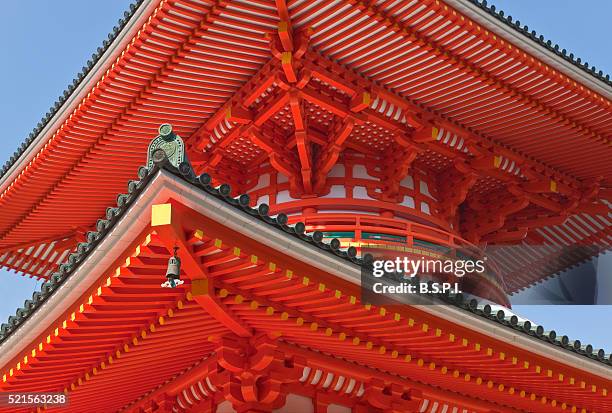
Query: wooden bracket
167	221
203	292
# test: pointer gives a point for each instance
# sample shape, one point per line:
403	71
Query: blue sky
44	44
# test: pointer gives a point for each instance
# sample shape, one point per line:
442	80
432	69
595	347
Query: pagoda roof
506	22
501	20
324	255
135	283
106	117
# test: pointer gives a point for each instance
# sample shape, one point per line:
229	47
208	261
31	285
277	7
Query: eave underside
191	59
129	338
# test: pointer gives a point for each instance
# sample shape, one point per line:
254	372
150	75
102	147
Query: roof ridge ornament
170	143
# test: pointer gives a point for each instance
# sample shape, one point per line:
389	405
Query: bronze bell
174	270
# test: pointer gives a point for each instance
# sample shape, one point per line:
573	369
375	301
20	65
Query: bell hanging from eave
173	273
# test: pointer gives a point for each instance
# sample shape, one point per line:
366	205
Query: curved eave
103	58
480	13
158	186
140	10
36	188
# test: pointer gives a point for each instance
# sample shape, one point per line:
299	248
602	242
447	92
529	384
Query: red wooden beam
169	224
328	154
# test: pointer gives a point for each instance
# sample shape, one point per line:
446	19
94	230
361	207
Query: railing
391	226
357	225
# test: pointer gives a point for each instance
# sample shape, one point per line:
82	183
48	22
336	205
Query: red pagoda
295	136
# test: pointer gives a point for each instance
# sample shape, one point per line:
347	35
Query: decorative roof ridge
542	41
72	87
222	192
